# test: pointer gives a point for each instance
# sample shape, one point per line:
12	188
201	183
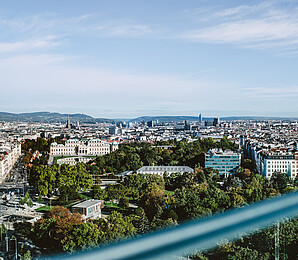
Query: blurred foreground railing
199	234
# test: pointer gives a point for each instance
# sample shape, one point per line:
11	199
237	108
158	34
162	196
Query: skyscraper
200	119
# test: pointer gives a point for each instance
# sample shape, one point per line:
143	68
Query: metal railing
202	234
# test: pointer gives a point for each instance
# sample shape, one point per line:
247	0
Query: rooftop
87	204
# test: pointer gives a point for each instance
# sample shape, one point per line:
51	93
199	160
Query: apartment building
10	152
269	158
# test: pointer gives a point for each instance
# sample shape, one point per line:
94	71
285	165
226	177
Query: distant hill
255	118
44	117
194	118
49	117
164	118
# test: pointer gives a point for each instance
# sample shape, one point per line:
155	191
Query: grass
83	196
132	198
111	205
168	192
44	209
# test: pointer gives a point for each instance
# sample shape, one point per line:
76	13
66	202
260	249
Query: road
12	188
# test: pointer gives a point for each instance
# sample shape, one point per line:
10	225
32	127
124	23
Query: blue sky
122	59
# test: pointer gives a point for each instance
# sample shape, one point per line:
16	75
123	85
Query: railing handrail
201	234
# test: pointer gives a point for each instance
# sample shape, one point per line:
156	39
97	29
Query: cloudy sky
122	59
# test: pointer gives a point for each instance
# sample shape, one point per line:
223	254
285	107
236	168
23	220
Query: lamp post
6	239
16	246
276	249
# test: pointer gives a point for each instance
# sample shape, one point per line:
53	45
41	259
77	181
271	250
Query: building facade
160	170
284	163
226	162
88	147
10	152
89	209
268	160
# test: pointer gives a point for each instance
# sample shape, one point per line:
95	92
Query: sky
123	59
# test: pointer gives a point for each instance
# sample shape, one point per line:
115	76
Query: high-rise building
113	130
200	119
151	123
216	121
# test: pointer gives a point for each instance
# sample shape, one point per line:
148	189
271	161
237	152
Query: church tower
68	125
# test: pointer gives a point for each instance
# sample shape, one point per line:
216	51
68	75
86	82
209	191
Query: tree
98	193
118	227
23	229
236	198
24	200
3	229
84	236
189	202
151	200
26	256
112	192
55	228
280	181
140	221
233	182
123	203
254	190
30	203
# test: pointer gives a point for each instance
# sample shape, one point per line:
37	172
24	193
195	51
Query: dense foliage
135	155
149	202
66	179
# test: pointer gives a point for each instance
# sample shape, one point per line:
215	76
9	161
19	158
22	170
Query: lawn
44	208
111	205
168	192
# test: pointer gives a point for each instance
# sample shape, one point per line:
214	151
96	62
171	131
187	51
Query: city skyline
107	59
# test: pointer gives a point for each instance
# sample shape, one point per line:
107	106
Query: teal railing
202	234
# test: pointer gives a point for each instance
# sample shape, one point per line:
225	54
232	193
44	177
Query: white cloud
28	45
272	93
248	31
265	25
41	25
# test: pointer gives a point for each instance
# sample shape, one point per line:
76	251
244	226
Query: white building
268	162
73	160
10	152
88	147
89	209
279	162
160	170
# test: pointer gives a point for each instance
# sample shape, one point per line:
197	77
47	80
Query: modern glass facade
226	162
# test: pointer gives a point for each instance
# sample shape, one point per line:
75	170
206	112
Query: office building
226	162
160	170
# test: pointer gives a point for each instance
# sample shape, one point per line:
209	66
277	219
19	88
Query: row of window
222	163
222	157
